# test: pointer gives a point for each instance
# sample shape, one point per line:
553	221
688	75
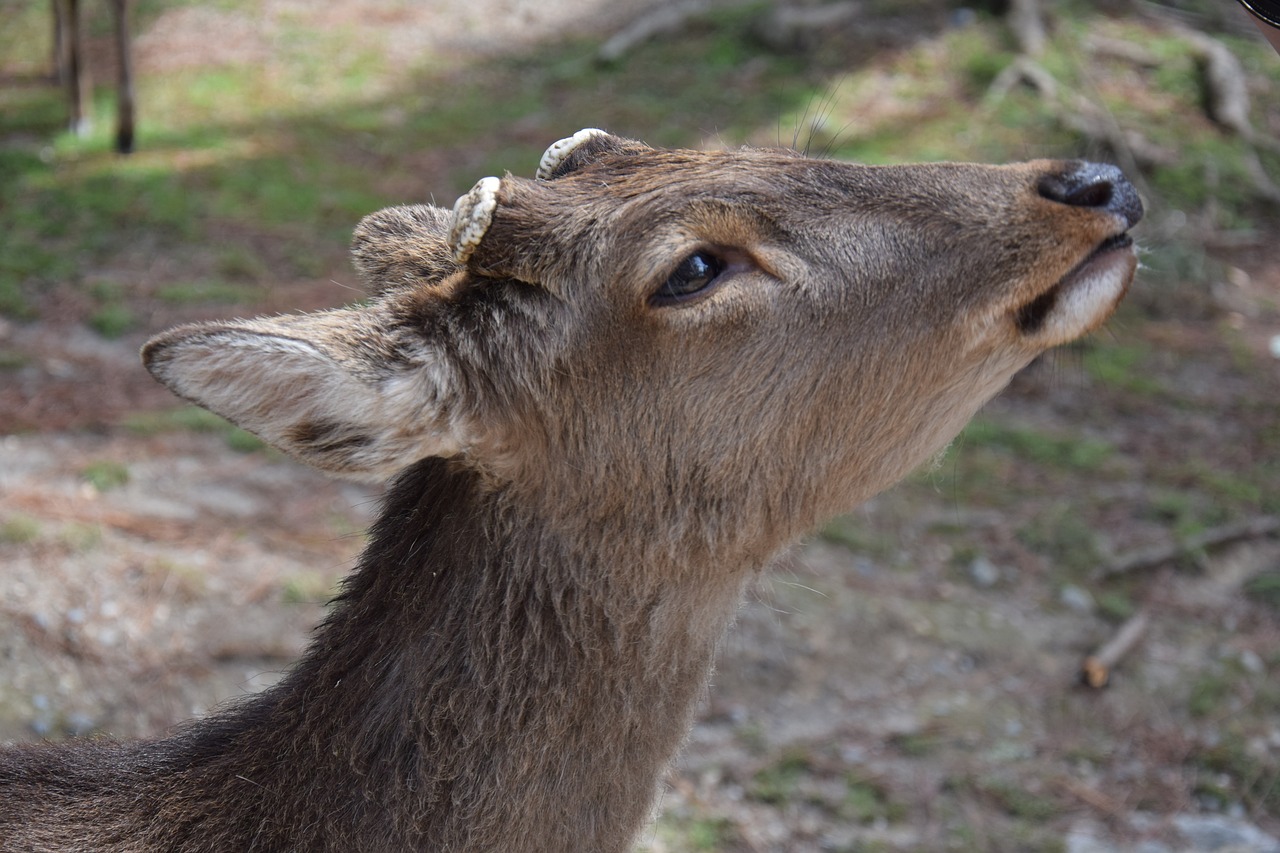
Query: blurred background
907	680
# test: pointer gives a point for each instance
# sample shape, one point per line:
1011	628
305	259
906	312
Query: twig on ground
1096	669
1149	558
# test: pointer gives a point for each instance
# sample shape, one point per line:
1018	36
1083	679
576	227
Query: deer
604	399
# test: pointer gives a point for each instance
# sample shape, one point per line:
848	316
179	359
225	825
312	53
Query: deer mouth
1085	296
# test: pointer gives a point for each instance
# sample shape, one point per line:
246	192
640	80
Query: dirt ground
909	687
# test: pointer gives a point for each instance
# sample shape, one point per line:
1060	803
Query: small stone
1076	598
1252	662
983	573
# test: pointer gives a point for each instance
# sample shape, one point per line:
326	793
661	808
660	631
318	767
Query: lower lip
1087	295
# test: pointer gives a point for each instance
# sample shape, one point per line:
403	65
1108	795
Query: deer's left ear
331	389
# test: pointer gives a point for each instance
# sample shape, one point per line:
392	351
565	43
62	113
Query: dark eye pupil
693	275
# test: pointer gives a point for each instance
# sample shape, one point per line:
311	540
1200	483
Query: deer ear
403	247
586	146
330	389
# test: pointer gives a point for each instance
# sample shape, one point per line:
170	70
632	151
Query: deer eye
695	275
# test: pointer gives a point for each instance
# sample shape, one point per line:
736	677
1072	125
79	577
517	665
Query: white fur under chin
1088	297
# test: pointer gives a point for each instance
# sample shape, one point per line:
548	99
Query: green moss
1265	588
1016	801
857	537
1253	777
1209	692
80	537
1116	606
112	321
778	782
917	744
185	418
684	832
1066	453
1121	366
208	292
19	530
106	474
1064	537
243	441
867	801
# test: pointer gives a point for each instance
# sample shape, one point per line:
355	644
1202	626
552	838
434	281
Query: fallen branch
1027	23
1080	114
789	28
664	19
1214	537
1096	669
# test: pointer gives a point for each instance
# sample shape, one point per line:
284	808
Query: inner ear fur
405	246
334	389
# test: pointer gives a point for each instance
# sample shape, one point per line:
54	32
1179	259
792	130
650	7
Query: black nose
1097	185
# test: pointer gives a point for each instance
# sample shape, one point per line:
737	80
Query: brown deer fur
586	474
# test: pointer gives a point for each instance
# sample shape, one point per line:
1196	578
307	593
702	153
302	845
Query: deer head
712	349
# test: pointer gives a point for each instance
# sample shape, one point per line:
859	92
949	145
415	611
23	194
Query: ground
906	680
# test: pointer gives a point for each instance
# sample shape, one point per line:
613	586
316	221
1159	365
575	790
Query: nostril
1094	185
1097	194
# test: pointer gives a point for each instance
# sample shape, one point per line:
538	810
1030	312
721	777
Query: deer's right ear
330	389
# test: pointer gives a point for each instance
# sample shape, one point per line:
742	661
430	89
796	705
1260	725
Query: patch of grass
1064	537
696	833
106	474
867	801
10	360
19	530
1121	366
208	292
920	744
112	321
1116	606
1264	588
307	589
777	783
243	441
186	418
1209	692
753	737
1064	453
182	581
857	537
80	536
1017	801
1254	777
193	419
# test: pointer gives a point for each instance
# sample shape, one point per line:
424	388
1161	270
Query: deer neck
484	684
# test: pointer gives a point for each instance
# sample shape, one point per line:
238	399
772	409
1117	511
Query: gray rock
1224	835
1076	598
983	573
